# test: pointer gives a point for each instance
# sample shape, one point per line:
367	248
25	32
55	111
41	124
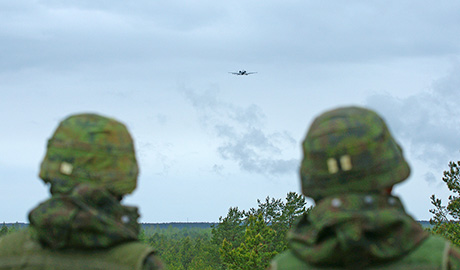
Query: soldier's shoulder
430	252
152	262
287	260
439	249
454	257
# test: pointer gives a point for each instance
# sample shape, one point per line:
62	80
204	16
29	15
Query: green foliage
230	228
241	240
3	230
446	219
183	248
279	215
256	249
250	239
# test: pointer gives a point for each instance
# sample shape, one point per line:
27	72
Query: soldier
90	165
350	165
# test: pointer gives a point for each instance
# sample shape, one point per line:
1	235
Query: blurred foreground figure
90	165
350	165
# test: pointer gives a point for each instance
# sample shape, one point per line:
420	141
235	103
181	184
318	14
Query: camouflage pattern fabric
89	148
355	230
152	262
434	253
350	150
453	258
88	217
19	250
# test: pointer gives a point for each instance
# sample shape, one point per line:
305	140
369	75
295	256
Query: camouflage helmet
89	148
350	150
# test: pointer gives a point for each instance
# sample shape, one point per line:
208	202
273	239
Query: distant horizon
185	222
182	225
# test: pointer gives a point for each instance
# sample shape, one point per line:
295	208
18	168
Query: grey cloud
64	34
175	14
242	135
217	169
246	146
428	121
162	119
250	116
390	29
159	153
430	178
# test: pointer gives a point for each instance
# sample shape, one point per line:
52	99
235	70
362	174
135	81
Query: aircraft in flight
242	72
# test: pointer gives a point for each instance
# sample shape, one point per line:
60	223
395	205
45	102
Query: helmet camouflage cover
350	150
89	148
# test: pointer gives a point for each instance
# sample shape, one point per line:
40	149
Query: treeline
148	226
178	225
9	228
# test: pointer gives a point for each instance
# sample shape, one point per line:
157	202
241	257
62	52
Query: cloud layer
57	34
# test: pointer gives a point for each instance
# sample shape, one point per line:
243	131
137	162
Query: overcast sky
208	140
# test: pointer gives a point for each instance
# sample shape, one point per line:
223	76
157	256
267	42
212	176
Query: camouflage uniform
350	164
90	165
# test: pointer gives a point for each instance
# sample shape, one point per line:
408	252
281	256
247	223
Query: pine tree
256	250
446	219
260	233
3	230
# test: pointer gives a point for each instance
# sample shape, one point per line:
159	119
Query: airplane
242	72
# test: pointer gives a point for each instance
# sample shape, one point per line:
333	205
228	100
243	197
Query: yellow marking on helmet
332	165
66	168
345	163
